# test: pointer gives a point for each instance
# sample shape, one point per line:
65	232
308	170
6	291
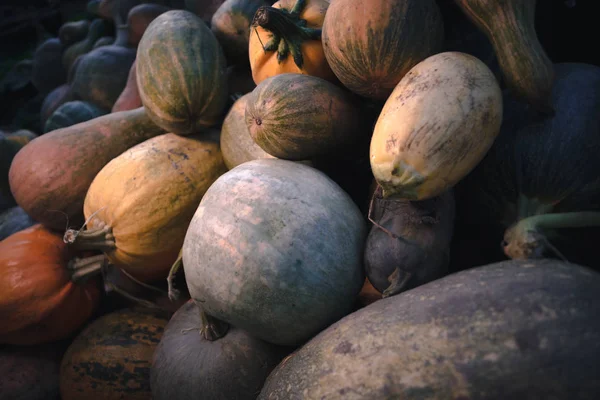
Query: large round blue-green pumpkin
275	248
181	73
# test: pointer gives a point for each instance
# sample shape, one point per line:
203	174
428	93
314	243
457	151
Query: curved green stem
527	238
288	29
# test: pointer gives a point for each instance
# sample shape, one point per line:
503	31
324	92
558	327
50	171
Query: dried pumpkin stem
84	268
97	239
288	29
212	329
172	292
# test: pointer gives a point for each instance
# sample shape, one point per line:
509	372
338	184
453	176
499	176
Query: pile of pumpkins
302	199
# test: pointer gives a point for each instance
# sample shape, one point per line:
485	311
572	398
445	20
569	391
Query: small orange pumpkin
39	301
287	38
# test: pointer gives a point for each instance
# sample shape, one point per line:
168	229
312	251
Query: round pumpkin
510	330
371	46
102	75
39	302
71	113
140	204
232	367
275	248
436	126
181	73
286	38
111	358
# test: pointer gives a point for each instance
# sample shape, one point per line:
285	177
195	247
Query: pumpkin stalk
172	292
288	29
526	239
101	239
84	268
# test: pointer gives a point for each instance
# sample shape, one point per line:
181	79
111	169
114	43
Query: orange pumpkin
287	38
39	301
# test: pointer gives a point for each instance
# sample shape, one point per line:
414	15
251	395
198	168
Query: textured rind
232	367
298	117
510	330
50	176
181	73
111	358
436	126
371	45
275	248
236	143
148	196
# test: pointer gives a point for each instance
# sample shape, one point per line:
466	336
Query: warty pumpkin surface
140	204
287	38
39	302
181	73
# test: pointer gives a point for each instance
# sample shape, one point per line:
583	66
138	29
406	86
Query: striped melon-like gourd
181	73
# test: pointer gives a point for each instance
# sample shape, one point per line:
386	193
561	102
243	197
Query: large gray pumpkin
275	248
509	330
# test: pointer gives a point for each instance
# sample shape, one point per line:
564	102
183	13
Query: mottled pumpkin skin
371	45
54	171
148	196
38	302
510	330
232	367
265	64
111	358
298	117
236	143
436	126
231	26
275	248
181	73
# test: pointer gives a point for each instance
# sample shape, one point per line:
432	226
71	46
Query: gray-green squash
275	248
518	330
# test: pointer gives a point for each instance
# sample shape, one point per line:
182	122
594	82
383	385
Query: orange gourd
287	38
41	298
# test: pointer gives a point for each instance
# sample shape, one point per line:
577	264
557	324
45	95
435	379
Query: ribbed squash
231	25
237	145
39	301
71	113
50	176
181	73
510	26
111	358
287	38
298	117
436	126
371	45
140	204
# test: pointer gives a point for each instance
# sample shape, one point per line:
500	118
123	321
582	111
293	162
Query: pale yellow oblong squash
140	204
436	126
